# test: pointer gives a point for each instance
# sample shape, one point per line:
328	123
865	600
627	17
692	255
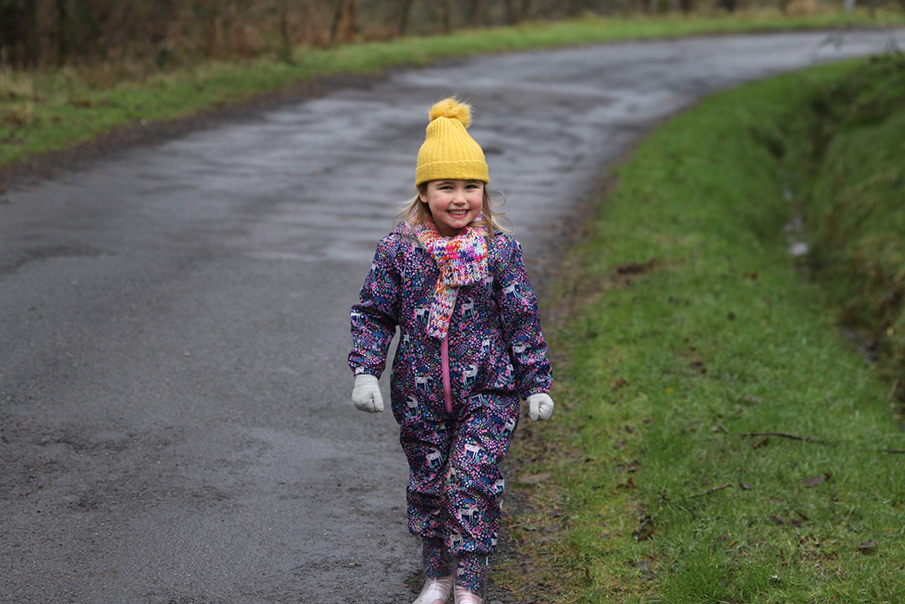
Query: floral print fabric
497	355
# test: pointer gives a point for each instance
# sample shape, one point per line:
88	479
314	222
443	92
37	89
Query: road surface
175	424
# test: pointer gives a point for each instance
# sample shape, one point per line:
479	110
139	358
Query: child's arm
522	330
373	319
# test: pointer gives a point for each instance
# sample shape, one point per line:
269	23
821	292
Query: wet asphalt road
174	415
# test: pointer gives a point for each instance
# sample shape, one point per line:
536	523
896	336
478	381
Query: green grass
44	111
716	439
851	189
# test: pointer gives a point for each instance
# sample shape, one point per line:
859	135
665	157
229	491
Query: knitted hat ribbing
448	150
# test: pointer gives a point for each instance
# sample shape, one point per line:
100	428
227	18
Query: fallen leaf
867	545
633	268
697	363
745	486
645	529
641	536
762	443
813	481
722	538
535	478
629	484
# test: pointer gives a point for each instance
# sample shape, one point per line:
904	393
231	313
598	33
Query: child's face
454	204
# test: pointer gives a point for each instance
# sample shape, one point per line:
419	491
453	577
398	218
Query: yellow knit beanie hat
448	150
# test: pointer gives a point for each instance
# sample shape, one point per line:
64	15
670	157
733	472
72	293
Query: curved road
174	415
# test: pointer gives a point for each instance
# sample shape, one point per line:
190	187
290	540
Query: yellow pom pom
452	109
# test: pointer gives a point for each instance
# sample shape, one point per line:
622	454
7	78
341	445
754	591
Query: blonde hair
416	211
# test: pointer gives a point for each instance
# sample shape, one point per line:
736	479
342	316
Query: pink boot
466	596
436	591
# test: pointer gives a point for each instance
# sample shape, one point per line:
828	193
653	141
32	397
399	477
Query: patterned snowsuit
497	354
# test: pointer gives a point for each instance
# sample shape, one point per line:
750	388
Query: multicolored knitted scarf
462	261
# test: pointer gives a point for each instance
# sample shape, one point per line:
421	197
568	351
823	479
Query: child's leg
436	558
438	569
472	573
425	442
426	511
482	437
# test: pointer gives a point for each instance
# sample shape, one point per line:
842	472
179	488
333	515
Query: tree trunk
18	37
285	41
206	16
727	5
62	17
405	8
517	11
343	28
446	16
574	8
474	13
9	30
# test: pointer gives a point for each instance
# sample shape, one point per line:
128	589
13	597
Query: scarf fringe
462	260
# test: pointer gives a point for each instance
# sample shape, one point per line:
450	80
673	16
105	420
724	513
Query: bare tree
445	16
516	10
18	43
405	9
727	5
473	13
343	28
574	8
285	41
62	19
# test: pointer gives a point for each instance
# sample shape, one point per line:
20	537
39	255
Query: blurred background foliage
42	33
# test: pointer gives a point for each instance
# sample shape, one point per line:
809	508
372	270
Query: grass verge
846	170
46	111
716	439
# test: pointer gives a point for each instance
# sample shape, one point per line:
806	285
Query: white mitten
366	394
540	407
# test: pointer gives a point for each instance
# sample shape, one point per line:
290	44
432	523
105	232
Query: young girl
470	348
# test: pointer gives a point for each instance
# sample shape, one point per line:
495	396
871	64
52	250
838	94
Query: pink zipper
444	361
